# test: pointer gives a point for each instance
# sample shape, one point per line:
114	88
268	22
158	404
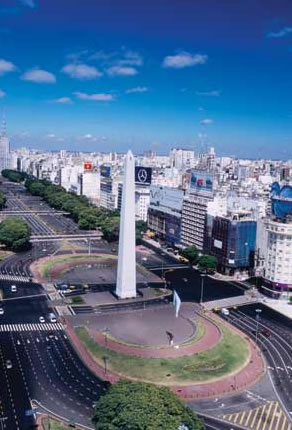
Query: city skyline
98	77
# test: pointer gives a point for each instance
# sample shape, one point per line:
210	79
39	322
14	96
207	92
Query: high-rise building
4	148
164	213
194	209
278	263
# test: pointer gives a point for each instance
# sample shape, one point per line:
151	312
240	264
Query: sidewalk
281	306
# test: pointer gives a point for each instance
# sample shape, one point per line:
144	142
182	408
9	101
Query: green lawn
200	332
54	425
77	300
229	354
45	267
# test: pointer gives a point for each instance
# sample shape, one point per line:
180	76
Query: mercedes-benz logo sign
142	175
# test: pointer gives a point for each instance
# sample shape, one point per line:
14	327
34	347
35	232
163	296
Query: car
62	287
52	318
13	288
1	311
42	320
8	364
225	311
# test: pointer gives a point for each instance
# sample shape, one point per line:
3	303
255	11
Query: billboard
201	182
105	171
87	165
166	199
143	175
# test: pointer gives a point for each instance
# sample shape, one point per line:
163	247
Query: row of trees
87	216
14	234
204	262
140	406
13	175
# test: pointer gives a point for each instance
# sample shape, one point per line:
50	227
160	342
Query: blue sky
149	74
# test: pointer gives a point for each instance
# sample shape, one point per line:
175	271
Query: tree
207	263
13	175
14	233
141	406
2	200
141	227
37	189
110	228
191	253
87	220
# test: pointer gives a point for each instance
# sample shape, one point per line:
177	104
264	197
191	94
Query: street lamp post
202	287
105	358
105	332
258	311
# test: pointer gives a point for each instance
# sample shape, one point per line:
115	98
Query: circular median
83	268
204	365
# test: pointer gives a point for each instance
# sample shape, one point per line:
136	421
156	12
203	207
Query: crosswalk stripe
279	420
268	414
260	419
284	423
254	418
30	327
248	418
242	416
273	416
14	278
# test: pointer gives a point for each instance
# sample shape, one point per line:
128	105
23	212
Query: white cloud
212	93
121	71
281	33
184	59
2	94
137	90
39	76
206	121
88	136
81	71
51	136
94	97
131	58
6	66
29	3
63	100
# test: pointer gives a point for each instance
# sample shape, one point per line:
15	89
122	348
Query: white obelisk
126	276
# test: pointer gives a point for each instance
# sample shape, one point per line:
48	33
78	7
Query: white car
225	311
13	288
8	364
52	318
1	311
42	320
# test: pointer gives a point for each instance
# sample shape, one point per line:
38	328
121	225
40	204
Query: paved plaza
148	327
